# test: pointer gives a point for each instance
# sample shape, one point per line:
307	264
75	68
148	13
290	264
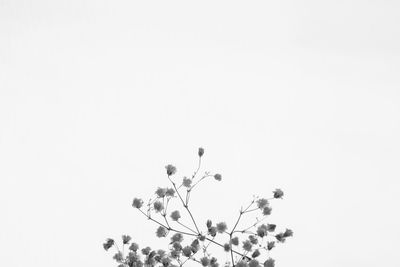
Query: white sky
97	96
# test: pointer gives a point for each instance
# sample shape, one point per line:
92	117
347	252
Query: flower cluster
246	246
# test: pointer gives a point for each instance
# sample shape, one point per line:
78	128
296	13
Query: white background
96	97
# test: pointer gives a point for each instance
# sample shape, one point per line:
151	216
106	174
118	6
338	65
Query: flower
171	169
280	237
175	215
241	264
262	230
158	206
178	237
212	231
108	244
254	263
202	238
161	231
288	233
170	192
218	177
247	245
118	256
270	245
160	192
253	239
187	251
271	227
201	152
278	193
146	250
177	246
209	223
255	254
195	246
137	203
186	182
134	247
205	261
267	210
269	263
227	247
235	241
221	227
126	239
262	202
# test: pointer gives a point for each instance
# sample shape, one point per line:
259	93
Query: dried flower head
270	245
126	239
278	193
160	192
280	237
271	227
108	244
205	261
137	203
253	239
262	230
254	263
288	233
241	263
170	192
218	177
177	237
267	210
201	152
146	250
212	231
269	263
171	169
187	251
221	227
186	182
161	231
134	247
262	202
227	247
175	215
158	206
256	253
235	241
118	256
247	245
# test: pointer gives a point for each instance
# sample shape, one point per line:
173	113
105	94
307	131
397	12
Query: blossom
161	231
270	245
146	250
212	231
126	239
253	239
175	253
186	182
247	245
171	169
178	237
241	264
218	177
227	247
278	193
134	247
195	246
170	192
235	241
158	206
118	256
269	263
202	238
187	251
205	261
262	230
209	223
201	152
175	215
221	227
255	254
254	263
160	192
108	244
137	203
177	246
262	202
271	227
267	210
280	237
288	233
